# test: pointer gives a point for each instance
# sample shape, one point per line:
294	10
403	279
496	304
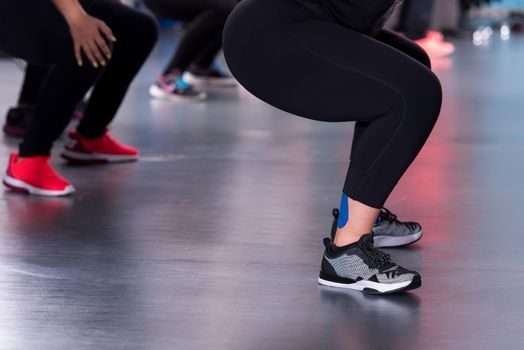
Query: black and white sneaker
175	88
212	76
388	231
391	232
361	266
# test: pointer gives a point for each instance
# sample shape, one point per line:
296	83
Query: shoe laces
378	257
386	214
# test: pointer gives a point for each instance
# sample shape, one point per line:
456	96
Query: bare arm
86	32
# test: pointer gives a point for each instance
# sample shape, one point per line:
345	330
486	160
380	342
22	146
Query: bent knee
223	9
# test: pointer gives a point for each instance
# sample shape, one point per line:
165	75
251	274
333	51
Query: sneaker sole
210	82
370	287
400	241
160	94
89	158
20	186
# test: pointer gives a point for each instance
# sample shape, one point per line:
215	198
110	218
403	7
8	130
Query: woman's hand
89	36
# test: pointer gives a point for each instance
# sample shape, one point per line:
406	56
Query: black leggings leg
330	73
404	45
415	18
203	38
35	31
34	77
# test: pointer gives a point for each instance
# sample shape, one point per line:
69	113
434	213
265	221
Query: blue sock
343	218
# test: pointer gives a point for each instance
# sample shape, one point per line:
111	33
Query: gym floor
213	239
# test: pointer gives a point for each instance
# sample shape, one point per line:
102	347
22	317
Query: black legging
203	37
415	18
34	78
330	73
35	31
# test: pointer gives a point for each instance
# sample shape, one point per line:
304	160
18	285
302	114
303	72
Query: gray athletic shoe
389	232
361	266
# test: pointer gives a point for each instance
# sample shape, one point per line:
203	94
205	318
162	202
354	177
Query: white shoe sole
373	287
20	186
209	82
73	156
393	241
160	94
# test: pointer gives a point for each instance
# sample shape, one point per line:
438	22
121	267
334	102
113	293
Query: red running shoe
436	48
103	149
34	175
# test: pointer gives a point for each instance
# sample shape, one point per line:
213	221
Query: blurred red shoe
34	175
103	149
435	35
436	48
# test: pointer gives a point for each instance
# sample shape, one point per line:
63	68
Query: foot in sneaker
17	120
391	232
173	87
103	149
34	175
209	77
361	266
388	231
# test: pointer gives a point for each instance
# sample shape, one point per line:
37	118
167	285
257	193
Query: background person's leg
18	117
136	35
414	22
206	20
34	77
415	18
41	36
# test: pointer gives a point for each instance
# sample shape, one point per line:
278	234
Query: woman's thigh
33	30
325	71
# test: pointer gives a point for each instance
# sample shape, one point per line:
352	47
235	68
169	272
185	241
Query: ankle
346	238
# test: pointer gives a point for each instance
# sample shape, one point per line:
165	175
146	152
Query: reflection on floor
213	240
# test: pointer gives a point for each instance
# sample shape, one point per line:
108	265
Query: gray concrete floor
213	239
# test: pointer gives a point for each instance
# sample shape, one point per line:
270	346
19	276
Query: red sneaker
436	48
435	35
34	175
103	149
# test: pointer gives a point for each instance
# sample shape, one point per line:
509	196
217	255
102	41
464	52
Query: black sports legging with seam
35	31
203	37
330	73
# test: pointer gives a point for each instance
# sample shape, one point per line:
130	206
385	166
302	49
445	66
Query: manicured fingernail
103	63
79	63
113	38
109	57
95	64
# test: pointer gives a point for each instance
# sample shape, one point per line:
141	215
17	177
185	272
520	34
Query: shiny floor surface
213	239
